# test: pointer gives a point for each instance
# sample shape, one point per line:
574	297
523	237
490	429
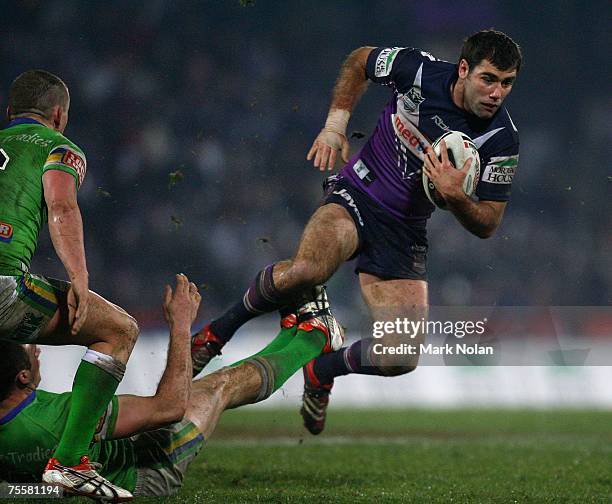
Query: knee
131	330
390	362
307	274
177	412
128	331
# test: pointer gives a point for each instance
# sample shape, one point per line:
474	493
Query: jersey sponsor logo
384	61
6	232
500	170
37	455
410	135
33	138
67	156
412	99
76	161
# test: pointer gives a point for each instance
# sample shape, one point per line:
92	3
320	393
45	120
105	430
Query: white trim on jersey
479	141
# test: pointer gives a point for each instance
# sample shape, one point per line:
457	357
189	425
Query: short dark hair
36	92
13	359
492	45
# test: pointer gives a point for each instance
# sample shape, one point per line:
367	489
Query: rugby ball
460	147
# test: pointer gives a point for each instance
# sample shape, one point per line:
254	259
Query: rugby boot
314	400
84	480
315	313
288	318
204	346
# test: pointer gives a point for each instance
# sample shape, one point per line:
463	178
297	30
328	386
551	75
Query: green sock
282	339
92	391
304	347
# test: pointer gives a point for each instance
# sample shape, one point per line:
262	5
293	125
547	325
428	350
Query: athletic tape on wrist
337	121
105	362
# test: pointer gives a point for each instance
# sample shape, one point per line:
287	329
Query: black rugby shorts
388	247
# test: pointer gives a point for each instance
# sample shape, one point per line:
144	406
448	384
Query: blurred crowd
196	118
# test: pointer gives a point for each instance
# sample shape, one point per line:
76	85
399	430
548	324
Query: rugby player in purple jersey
375	209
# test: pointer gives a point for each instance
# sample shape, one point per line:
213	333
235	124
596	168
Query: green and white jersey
149	463
27	150
31	431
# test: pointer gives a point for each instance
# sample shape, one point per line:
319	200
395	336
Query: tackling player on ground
376	210
40	173
153	463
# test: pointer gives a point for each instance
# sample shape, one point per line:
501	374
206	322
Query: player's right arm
66	230
351	84
137	414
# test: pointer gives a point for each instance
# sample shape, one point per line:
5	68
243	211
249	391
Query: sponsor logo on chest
409	135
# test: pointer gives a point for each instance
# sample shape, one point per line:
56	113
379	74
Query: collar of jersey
17	409
23	120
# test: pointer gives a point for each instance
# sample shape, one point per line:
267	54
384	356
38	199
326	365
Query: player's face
485	87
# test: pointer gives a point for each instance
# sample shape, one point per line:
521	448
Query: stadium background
196	118
233	96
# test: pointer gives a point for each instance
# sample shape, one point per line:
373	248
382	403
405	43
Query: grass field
405	456
401	455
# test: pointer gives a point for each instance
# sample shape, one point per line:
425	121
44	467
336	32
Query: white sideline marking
542	440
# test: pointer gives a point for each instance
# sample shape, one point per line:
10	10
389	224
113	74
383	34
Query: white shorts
27	304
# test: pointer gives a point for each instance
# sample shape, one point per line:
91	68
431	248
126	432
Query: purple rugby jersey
388	167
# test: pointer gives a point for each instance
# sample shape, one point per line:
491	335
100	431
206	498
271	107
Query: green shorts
27	304
162	457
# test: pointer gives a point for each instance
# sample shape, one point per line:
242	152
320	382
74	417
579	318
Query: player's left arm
138	414
62	175
480	218
66	231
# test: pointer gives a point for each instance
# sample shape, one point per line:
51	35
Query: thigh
404	303
163	456
105	321
330	235
394	295
329	239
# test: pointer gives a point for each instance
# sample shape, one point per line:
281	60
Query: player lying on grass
144	444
